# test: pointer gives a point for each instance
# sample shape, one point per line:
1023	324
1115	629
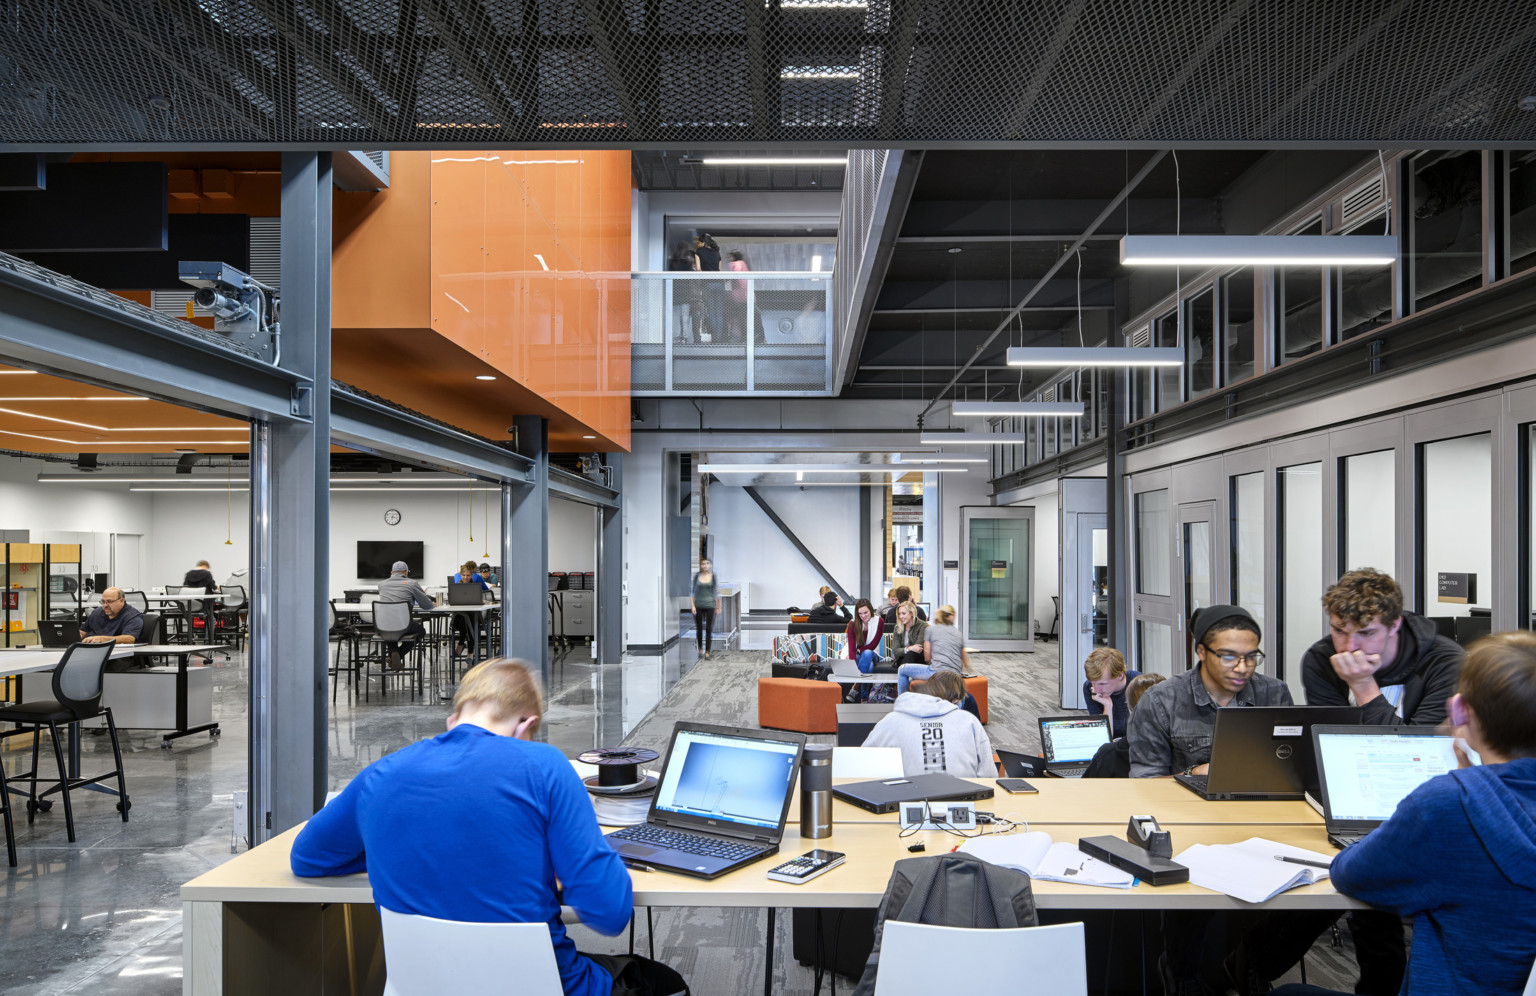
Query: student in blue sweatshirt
479	824
1459	855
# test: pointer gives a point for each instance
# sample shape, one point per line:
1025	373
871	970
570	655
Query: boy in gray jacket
935	735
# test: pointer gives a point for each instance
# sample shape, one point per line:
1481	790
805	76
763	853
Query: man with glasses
1170	731
115	621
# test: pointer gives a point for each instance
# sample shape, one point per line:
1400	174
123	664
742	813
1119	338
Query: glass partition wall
996	611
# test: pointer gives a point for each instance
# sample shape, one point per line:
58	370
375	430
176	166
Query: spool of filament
618	769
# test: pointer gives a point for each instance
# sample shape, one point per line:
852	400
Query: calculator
806	867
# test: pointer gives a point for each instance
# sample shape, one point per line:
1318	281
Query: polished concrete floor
102	915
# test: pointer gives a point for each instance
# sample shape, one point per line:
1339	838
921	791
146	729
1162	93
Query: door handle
1086	623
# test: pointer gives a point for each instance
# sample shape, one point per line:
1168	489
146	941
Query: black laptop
1017	764
465	593
58	633
1365	771
720	804
1265	752
1069	743
885	795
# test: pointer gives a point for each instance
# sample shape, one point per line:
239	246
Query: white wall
1047	560
749	548
57	513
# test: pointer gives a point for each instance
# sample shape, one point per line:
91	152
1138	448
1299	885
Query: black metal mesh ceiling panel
698	73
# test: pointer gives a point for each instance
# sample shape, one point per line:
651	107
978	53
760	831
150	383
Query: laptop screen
1368	774
1073	739
743	780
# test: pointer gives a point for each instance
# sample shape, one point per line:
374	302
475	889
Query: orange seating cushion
976	684
798	704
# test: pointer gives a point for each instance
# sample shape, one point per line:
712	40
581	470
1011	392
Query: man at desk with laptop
115	621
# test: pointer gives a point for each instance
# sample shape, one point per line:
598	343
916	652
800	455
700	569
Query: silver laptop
1365	771
1069	743
721	802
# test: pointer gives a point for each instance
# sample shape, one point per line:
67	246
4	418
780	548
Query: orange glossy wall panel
381	250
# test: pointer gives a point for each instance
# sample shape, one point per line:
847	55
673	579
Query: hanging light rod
822	468
1094	356
770	160
973	438
1036	409
937	458
1258	250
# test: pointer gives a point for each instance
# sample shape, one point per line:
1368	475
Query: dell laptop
1017	764
720	804
465	593
1069	743
1365	771
885	795
1264	752
57	634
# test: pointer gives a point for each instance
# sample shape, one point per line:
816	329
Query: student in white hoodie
935	735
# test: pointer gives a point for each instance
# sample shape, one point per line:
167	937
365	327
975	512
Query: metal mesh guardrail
697	333
499	74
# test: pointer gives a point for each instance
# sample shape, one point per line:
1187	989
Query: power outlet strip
950	815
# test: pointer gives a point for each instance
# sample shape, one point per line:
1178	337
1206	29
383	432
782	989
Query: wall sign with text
1458	588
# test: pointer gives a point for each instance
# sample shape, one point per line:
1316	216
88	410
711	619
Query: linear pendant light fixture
1258	250
1095	356
1034	409
972	438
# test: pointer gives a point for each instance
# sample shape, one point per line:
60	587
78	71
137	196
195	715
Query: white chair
424	956
1020	960
866	762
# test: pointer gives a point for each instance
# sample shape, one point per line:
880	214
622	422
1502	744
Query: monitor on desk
374	557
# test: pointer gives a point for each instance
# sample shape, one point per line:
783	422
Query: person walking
702	602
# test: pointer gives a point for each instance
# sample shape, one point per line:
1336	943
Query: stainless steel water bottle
816	791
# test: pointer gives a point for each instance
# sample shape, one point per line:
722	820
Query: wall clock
392	517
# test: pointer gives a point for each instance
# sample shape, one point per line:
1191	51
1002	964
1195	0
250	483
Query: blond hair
1104	663
912	617
945	615
504	683
202	563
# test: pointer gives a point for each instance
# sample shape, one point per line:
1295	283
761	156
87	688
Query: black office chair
344	628
231	615
390	621
5	810
137	600
77	683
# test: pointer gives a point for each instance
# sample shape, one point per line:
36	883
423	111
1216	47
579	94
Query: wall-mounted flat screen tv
374	557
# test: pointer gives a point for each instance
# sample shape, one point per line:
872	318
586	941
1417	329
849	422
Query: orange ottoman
975	684
798	704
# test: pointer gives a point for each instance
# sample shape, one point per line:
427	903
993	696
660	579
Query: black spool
618	767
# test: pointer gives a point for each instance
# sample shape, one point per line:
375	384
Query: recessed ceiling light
588	437
955	249
484	377
179	449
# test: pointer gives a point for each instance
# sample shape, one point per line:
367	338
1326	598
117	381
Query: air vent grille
1362	202
1142	336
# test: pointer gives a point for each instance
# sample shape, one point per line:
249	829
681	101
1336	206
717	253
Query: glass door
1197	564
995	609
1084	598
1159	629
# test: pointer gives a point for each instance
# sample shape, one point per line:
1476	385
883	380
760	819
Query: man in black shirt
830	610
708	254
114	622
200	577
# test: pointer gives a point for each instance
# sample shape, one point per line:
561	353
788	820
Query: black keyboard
1068	772
689	843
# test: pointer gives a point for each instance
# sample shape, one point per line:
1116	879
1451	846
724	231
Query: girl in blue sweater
1459	855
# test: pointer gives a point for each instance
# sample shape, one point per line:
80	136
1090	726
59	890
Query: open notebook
1249	870
1036	855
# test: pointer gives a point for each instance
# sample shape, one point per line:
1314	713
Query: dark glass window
1362	294
1300	306
1446	223
1200	348
1165	332
1520	222
1237	327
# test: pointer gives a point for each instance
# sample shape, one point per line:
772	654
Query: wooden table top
262	875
